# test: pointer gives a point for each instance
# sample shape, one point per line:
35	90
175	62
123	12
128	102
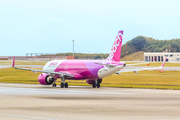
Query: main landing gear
54	82
63	84
97	83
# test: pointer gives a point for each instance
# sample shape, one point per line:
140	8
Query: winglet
13	65
163	62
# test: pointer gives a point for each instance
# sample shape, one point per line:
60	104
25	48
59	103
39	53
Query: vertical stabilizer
115	52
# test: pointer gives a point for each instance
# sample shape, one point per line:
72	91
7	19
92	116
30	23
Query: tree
139	43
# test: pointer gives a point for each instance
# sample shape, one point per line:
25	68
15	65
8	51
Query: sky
49	26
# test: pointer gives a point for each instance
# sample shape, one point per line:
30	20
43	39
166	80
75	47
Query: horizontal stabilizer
140	69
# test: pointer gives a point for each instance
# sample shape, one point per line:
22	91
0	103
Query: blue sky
49	26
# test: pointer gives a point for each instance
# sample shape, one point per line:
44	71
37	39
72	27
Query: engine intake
45	79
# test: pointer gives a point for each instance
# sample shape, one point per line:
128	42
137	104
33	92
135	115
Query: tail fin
115	53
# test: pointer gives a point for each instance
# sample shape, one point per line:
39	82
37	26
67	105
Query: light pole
73	48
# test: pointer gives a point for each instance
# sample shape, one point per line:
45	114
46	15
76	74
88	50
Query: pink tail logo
115	52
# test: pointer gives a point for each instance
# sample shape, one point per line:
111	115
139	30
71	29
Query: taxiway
25	101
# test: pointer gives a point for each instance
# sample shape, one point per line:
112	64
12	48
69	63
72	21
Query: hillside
137	56
147	44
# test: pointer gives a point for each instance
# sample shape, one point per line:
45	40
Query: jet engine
45	79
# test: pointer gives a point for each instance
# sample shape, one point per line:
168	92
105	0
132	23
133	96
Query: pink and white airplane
90	70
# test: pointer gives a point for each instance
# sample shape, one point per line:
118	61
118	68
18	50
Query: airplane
93	71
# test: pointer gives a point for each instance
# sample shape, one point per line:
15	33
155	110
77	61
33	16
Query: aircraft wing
136	70
109	65
140	69
45	71
42	71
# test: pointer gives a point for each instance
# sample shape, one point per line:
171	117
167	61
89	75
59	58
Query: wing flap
45	71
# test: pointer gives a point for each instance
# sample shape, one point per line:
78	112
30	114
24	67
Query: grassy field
144	79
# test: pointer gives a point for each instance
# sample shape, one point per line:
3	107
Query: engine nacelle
45	79
90	82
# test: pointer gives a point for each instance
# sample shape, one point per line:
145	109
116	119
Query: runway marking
29	117
34	91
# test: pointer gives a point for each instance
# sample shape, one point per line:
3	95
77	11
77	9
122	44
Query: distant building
37	58
159	57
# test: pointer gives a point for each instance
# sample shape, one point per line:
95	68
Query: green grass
144	79
11	75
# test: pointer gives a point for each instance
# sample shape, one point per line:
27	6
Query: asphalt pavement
25	102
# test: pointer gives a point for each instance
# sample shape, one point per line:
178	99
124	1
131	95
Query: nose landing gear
54	84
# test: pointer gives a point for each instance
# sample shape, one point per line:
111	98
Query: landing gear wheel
94	85
54	85
66	85
99	80
98	85
62	85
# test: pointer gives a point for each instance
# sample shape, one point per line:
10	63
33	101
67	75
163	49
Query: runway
25	102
